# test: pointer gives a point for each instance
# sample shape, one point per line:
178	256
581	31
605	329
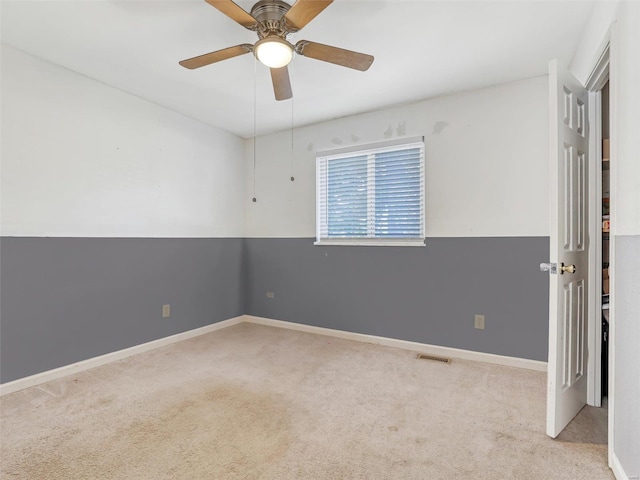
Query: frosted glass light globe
274	52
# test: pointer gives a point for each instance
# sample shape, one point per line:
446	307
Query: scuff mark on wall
337	141
354	138
310	147
438	127
401	129
388	132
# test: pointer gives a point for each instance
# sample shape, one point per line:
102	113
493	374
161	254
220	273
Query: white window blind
371	196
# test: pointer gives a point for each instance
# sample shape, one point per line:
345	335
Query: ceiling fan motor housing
269	14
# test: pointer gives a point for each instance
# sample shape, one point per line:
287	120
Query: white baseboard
618	471
405	345
73	368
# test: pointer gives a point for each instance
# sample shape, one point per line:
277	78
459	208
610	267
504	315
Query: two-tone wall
626	235
486	222
619	23
111	207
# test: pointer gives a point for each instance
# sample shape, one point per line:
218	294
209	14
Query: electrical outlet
166	311
271	295
479	322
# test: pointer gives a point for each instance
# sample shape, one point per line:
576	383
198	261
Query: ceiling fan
273	21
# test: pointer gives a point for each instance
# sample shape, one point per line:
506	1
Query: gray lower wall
427	295
69	299
626	292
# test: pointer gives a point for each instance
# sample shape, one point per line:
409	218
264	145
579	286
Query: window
373	196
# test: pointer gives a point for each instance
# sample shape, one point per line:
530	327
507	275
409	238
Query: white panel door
568	294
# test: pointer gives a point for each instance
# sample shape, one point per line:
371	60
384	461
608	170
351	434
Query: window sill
372	243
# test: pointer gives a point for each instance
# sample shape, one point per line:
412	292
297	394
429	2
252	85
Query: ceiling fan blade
281	83
339	56
217	56
303	11
234	12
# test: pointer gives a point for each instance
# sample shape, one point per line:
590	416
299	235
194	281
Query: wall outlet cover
166	311
479	322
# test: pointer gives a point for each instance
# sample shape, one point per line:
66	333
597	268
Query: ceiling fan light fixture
274	52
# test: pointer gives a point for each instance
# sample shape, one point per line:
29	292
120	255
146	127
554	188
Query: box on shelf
606	151
605	280
605	250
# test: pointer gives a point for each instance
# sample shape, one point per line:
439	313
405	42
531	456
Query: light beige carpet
253	402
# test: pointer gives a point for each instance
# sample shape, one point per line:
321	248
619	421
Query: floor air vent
422	356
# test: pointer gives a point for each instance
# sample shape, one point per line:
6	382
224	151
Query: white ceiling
422	49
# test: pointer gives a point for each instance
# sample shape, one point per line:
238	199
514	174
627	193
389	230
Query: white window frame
370	150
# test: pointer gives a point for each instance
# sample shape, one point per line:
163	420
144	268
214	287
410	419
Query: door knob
567	268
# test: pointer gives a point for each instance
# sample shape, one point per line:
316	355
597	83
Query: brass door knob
567	268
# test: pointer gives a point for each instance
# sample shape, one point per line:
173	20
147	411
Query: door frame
604	68
596	81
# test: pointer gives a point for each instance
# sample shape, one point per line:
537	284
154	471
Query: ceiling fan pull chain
292	155
255	115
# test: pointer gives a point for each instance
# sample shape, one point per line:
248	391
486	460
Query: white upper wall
80	158
486	163
625	94
592	38
625	126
